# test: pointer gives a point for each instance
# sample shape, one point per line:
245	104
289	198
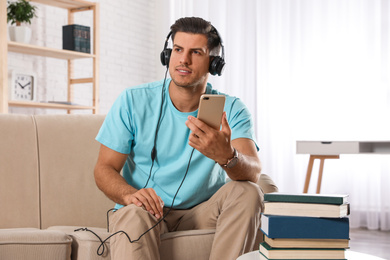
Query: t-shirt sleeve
117	132
241	121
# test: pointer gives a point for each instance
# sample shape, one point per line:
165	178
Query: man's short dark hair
198	25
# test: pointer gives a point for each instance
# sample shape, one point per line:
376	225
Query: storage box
76	38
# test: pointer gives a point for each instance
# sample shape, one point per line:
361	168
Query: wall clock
22	86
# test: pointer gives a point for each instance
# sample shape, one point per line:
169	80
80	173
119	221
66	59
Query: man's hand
148	199
215	144
110	181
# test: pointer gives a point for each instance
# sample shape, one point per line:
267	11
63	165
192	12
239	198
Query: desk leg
322	161
321	170
308	173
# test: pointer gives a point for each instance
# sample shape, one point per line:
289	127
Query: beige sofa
47	190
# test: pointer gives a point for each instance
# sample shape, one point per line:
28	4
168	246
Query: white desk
332	149
350	255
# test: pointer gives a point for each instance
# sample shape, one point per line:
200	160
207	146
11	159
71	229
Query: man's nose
185	58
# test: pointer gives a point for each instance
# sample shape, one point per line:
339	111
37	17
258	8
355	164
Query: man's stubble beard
195	85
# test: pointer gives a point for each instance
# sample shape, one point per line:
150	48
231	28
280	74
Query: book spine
77	38
305	227
88	40
277	197
306	209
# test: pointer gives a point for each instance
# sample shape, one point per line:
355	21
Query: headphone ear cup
165	56
216	66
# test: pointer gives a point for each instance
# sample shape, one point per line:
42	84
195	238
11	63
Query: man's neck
186	99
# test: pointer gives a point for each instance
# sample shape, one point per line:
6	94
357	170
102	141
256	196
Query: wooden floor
371	242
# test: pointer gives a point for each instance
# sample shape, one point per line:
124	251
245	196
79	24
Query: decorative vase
20	34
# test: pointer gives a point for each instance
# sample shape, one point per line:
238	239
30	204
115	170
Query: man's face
189	62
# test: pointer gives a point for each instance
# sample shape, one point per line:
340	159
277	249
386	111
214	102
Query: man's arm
249	165
217	146
109	180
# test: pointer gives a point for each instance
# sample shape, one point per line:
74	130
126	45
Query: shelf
6	46
67	4
46	51
47	105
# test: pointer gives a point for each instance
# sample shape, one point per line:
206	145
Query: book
76	38
262	257
275	226
62	103
337	199
306	243
306	209
301	253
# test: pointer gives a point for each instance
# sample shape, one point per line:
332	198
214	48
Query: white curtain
311	70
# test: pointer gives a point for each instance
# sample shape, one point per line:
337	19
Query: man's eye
177	49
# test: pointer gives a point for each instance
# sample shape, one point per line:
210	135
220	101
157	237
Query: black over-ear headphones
165	55
216	65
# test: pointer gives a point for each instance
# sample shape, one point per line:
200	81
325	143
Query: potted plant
19	13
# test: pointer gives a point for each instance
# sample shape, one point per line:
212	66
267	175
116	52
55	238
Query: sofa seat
183	245
34	244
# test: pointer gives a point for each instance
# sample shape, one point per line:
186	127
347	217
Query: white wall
129	52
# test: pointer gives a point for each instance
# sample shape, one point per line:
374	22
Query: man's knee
250	189
247	192
141	240
131	217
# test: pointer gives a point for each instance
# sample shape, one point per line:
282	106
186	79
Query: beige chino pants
234	211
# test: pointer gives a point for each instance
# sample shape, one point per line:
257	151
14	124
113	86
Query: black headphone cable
154	150
101	248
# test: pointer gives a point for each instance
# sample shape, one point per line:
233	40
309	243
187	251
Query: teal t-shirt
130	126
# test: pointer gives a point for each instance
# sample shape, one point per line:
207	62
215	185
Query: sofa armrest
34	244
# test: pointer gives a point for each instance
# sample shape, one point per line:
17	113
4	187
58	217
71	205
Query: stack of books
304	226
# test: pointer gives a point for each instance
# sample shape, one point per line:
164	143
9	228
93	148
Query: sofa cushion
19	183
85	244
67	154
20	243
174	245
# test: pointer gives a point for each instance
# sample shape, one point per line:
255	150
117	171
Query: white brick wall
128	53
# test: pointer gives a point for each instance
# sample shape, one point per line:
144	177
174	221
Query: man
161	117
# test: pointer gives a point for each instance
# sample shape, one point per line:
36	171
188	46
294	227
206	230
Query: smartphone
211	109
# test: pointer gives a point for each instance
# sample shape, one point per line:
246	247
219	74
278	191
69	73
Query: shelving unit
6	46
